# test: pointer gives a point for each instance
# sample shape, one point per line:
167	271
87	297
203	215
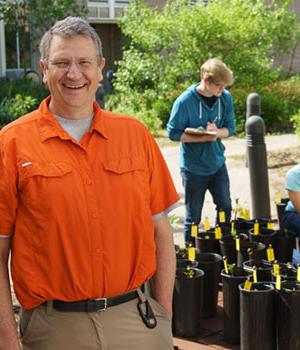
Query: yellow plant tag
192	253
241	212
225	265
218	232
237	245
254	275
222	216
270	254
278	282
194	230
270	225
277	197
247	285
298	273
247	214
256	228
276	269
232	231
206	224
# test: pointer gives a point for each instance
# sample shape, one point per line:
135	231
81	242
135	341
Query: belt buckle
105	303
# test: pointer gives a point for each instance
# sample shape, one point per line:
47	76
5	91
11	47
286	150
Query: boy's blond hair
216	71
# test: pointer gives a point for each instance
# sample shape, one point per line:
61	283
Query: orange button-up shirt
80	213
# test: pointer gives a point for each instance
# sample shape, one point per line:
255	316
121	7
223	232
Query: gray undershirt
75	127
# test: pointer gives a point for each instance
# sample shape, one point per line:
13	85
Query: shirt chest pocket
127	175
38	182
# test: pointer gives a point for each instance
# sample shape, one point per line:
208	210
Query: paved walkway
211	336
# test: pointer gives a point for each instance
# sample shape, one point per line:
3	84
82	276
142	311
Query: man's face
72	74
215	89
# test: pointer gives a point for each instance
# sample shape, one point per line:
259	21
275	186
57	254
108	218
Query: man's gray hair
69	27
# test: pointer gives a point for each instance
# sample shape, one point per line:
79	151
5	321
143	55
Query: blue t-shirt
191	111
292	183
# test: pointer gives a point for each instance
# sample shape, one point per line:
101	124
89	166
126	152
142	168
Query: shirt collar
49	126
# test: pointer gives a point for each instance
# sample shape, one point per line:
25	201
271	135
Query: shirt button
88	182
98	250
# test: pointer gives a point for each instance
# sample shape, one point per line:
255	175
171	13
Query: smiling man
205	106
84	197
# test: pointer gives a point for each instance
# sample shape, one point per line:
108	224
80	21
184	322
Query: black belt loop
49	307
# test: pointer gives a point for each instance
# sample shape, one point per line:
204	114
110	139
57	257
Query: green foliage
164	49
18	97
13	108
279	101
296	122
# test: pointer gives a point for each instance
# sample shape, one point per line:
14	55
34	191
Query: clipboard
195	131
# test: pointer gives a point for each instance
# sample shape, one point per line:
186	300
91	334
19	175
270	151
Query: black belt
93	305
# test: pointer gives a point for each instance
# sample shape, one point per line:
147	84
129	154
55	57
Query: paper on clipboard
195	131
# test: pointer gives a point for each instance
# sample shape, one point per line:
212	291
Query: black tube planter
207	243
287	272
263	269
280	207
267	237
257	317
239	225
187	303
211	264
228	246
262	223
231	303
288	316
250	251
183	263
286	242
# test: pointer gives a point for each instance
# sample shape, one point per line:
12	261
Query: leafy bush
279	101
164	49
296	122
18	97
13	108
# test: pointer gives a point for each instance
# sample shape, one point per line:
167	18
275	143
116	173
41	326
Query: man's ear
101	65
43	68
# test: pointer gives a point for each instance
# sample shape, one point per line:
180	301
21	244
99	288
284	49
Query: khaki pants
117	328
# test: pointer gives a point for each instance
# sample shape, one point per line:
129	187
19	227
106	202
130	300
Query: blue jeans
195	187
291	221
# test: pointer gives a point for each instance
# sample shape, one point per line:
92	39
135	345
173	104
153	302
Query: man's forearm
163	280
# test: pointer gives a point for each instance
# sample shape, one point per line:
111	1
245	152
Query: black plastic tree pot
211	264
250	251
267	237
239	225
288	316
286	242
187	303
263	269
262	223
183	263
257	317
231	303
228	246
207	243
287	272
280	207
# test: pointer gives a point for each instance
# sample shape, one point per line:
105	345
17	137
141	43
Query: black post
253	108
253	104
258	170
